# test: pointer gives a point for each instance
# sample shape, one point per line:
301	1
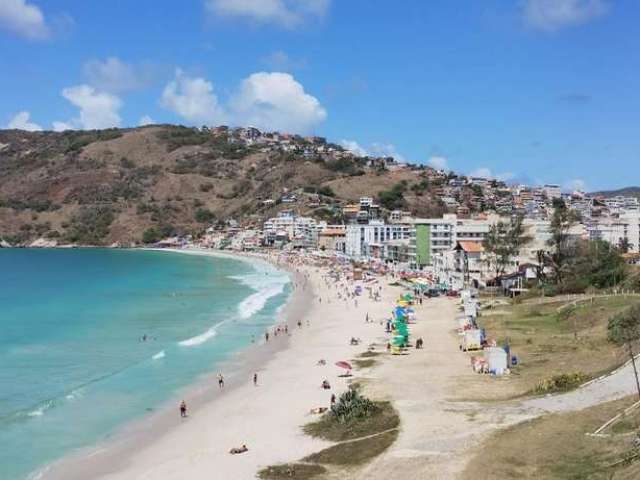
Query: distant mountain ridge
625	192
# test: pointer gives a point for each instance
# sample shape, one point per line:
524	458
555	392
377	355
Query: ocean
73	363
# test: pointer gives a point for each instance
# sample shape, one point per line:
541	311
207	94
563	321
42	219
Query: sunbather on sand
236	450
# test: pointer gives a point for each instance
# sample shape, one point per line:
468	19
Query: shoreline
267	418
112	452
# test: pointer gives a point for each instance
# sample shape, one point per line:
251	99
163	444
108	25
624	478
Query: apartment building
375	239
433	236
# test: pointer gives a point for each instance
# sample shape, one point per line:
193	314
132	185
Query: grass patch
356	452
364	363
551	341
384	417
300	471
369	354
556	447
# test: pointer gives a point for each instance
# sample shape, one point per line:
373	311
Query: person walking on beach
255	379
220	381
266	336
183	409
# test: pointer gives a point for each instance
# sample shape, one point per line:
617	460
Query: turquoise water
72	364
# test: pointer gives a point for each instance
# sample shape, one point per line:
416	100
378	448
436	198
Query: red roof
471	247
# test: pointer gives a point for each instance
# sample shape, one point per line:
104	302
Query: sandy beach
435	432
266	418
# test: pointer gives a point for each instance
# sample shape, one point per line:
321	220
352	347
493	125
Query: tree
624	329
393	199
204	215
598	263
504	242
624	245
562	246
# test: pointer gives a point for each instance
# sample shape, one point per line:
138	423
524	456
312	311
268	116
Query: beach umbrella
343	364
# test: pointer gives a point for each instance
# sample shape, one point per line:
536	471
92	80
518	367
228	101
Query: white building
374	239
615	229
552	191
287	226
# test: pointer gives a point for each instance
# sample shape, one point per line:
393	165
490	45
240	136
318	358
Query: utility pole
635	370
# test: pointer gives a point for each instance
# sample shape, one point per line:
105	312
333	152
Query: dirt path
435	432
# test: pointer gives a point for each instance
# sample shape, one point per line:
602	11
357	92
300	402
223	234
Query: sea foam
203	337
267	283
158	355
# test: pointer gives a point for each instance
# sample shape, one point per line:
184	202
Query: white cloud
354	147
576	185
62	126
97	109
270	101
276	101
481	172
23	19
146	120
484	172
21	121
114	75
287	13
552	15
193	99
386	150
438	162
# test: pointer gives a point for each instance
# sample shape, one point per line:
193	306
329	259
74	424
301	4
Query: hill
111	186
626	192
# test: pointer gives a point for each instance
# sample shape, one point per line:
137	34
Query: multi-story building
617	229
287	226
333	238
552	191
374	239
433	236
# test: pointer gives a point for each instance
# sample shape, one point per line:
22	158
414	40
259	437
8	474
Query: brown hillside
102	187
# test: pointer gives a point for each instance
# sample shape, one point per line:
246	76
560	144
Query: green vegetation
552	341
561	383
355	452
347	166
36	205
76	140
364	363
155	234
353	417
503	242
205	187
326	190
393	199
556	447
90	226
204	215
421	187
179	136
624	327
299	471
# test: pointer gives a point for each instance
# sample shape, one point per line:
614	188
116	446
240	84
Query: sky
533	91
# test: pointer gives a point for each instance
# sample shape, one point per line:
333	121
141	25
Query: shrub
352	406
204	215
393	198
561	383
91	225
624	327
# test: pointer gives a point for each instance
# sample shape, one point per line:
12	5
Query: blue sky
530	90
